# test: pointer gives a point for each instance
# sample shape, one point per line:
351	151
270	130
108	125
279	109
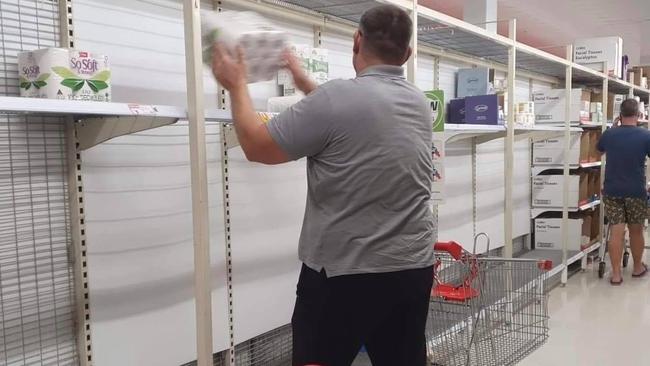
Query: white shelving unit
438	35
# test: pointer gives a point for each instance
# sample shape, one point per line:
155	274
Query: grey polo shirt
369	172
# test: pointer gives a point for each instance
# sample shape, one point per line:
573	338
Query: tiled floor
595	324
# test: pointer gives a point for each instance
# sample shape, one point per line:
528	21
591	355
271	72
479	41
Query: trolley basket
485	311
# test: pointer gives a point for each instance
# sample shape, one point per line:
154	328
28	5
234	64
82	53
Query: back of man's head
387	31
629	108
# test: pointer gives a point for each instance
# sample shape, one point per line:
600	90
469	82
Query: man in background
367	235
625	196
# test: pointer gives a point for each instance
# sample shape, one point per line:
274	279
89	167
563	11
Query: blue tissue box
482	110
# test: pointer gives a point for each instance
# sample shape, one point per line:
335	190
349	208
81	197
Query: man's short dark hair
629	108
387	32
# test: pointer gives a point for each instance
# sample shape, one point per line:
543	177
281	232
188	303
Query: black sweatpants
386	312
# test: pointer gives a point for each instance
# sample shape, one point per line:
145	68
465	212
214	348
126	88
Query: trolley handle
454	249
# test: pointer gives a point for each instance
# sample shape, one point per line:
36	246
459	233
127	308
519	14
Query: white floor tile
596	324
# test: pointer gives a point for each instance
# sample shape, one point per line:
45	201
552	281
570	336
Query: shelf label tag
143	109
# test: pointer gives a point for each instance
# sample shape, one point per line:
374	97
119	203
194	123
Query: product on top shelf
594	52
525	114
262	42
456	111
36	78
471	82
482	110
88	76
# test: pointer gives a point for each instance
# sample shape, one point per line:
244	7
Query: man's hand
254	137
230	72
300	77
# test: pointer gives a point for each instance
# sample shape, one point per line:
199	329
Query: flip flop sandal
615	283
643	273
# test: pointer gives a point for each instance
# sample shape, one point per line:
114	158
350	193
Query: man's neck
629	122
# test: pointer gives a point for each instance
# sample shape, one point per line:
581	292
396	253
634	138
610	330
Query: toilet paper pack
262	42
87	77
36	77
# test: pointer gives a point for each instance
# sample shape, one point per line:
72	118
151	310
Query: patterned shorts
626	210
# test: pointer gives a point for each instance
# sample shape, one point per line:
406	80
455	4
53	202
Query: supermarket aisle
596	324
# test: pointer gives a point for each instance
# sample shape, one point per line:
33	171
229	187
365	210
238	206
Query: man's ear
409	52
357	42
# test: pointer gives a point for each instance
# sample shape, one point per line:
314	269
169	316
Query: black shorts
386	312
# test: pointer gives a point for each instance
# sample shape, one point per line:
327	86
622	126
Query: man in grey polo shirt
367	235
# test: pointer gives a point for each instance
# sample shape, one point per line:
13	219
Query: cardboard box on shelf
638	75
585	146
547	191
482	110
550	105
548	234
551	151
471	82
594	137
613	103
594	52
595	225
456	111
594	185
630	77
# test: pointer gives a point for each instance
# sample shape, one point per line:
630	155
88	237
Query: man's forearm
245	118
306	85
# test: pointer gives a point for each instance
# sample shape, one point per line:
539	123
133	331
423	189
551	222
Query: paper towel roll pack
262	42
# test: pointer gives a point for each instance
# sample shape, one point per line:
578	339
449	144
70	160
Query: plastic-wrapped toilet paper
37	80
262	42
88	77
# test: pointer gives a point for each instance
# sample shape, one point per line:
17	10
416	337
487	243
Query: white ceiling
553	24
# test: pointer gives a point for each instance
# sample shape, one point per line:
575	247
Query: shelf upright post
228	139
565	175
78	252
412	64
318	36
198	165
508	218
601	208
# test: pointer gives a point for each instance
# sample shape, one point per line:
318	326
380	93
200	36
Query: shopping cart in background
485	310
604	249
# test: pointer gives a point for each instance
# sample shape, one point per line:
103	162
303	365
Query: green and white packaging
285	79
262	42
36	78
314	61
320	65
87	77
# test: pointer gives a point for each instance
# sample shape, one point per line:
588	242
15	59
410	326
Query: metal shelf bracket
94	131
